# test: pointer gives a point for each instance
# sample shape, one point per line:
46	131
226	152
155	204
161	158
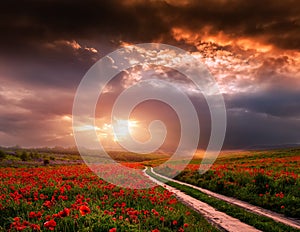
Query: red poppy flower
47	204
64	213
50	224
84	210
113	230
21	227
35	227
31	214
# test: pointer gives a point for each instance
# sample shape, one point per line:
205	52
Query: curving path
247	206
217	218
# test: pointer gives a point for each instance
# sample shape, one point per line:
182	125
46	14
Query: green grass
134	157
269	179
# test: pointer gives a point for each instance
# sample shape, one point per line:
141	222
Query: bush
261	181
2	155
24	156
35	155
46	161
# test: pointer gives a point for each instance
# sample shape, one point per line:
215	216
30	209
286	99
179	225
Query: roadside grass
269	179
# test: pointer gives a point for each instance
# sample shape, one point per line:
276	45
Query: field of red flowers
73	198
267	179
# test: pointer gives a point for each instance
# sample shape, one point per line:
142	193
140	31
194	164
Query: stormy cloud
251	48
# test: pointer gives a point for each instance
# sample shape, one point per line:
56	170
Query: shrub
24	156
2	155
46	161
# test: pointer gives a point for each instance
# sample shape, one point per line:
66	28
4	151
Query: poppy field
73	198
60	197
270	179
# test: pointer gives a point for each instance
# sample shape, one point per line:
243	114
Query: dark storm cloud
27	24
246	129
37	29
59	64
276	92
274	102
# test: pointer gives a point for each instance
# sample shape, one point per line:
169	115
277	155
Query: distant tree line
24	155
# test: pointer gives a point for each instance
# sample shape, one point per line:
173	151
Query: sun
124	128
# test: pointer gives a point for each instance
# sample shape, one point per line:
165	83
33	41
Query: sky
252	49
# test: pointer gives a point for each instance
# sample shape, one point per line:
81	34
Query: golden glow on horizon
109	134
117	130
67	118
124	128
